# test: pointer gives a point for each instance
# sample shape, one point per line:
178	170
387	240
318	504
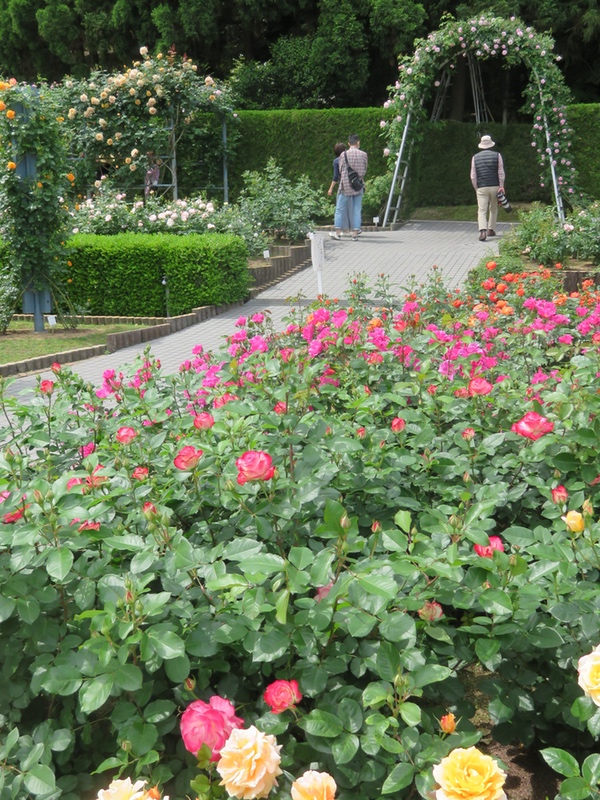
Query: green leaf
430	673
301	557
159	711
128	677
40	780
575	789
109	763
165	642
495	601
377	693
379	585
350	714
263	564
321	723
545	638
28	609
281	606
583	708
590	769
95	693
398	626
270	645
411	714
561	761
403	520
59	563
63	680
7	606
399	778
178	669
344	748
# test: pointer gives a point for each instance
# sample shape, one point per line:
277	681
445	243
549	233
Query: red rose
280	407
479	386
533	426
487	551
149	509
208	723
55	367
281	695
125	435
187	457
46	387
140	473
254	465
204	421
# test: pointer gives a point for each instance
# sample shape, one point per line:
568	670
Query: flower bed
322	534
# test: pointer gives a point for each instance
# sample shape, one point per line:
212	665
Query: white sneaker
336	236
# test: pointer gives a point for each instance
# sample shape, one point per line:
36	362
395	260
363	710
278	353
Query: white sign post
317	255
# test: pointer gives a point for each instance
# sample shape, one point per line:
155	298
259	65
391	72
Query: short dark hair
339	148
354	138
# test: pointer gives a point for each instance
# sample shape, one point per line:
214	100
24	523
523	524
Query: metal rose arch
485	37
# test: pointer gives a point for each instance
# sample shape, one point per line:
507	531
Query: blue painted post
36	301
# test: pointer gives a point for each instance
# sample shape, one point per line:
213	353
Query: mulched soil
529	777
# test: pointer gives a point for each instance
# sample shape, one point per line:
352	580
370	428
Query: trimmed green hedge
585	121
123	274
301	141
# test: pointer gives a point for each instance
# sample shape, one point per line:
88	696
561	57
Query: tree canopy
307	53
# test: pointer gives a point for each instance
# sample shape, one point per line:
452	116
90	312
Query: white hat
486	141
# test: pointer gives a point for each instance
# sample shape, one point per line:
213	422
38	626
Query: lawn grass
21	342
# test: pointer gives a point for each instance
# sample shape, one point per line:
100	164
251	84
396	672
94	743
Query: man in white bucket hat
487	177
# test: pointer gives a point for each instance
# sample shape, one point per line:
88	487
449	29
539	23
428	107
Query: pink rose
46	387
281	695
533	426
74	482
187	457
280	407
398	425
203	421
487	551
323	591
559	495
224	399
149	509
479	386
254	465
140	473
87	449
208	723
125	435
468	434
55	367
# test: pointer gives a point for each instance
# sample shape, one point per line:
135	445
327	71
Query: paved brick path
411	250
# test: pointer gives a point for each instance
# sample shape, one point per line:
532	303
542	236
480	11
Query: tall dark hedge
123	274
585	121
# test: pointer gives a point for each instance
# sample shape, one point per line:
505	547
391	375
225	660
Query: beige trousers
487	208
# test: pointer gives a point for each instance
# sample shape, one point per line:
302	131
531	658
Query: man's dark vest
486	166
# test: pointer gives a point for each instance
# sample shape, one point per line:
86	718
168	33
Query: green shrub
585	121
123	274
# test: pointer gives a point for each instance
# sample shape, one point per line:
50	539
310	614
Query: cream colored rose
469	775
123	790
314	786
589	674
249	763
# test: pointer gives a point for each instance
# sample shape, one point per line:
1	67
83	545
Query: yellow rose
249	763
469	775
589	674
123	790
314	786
574	521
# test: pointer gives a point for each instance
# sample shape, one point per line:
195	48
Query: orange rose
2	105
314	786
70	177
10	114
11	165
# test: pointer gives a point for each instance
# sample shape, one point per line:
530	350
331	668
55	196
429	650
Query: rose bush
345	561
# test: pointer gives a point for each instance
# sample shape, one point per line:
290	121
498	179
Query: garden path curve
412	250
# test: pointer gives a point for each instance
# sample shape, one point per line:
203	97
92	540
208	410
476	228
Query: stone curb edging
285	261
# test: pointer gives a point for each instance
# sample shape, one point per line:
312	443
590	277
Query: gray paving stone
410	251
